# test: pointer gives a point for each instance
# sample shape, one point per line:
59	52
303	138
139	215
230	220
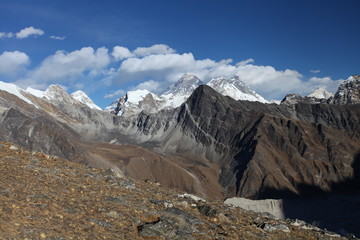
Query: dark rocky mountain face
348	92
265	150
28	126
292	99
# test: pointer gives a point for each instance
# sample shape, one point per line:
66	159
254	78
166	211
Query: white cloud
168	68
26	32
66	67
157	63
116	94
151	85
247	61
154	49
324	82
270	82
315	71
58	37
120	53
12	62
154	72
6	35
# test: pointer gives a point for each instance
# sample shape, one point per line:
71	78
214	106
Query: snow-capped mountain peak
84	98
133	102
235	88
321	93
185	86
54	92
175	95
353	78
348	91
56	95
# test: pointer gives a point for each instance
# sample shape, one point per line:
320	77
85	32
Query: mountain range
194	138
176	94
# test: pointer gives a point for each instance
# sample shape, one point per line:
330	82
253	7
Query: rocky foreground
45	197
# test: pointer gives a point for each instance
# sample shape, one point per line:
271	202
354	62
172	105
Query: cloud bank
120	53
63	66
13	62
153	68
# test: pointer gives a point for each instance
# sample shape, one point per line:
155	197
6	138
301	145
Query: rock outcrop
292	99
348	92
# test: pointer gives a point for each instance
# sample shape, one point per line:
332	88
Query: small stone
128	184
168	205
209	211
191	197
113	214
101	223
43	235
298	222
13	147
182	204
274	227
223	218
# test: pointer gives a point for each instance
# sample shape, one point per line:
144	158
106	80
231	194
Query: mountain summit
235	88
84	98
142	100
184	86
348	92
321	93
176	94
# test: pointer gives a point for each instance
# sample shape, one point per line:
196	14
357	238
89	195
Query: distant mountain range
161	121
136	101
53	93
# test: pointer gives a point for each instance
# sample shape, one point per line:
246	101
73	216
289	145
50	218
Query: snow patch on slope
35	92
15	90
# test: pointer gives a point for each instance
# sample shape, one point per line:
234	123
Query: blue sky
106	48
